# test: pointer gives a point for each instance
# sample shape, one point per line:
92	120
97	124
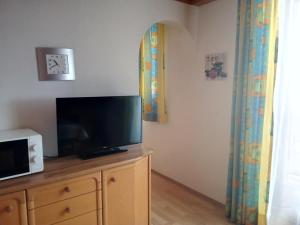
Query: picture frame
215	66
55	64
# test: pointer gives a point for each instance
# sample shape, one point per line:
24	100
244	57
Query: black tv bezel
104	147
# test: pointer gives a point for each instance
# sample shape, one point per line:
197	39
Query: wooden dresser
109	190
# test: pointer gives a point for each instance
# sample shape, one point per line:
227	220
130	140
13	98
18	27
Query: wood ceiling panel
196	2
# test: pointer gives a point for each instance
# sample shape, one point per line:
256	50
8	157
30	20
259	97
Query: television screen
91	125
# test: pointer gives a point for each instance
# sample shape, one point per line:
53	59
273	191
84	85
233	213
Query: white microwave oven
21	153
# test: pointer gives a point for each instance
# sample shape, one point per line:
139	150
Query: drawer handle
9	209
67	210
67	189
112	179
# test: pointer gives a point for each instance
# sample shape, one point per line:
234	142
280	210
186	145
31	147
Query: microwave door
14	159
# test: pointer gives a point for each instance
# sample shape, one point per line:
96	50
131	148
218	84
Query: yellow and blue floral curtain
251	141
152	74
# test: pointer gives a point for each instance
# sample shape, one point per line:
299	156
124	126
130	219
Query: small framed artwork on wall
215	66
55	64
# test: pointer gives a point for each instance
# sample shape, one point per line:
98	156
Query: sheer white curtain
284	207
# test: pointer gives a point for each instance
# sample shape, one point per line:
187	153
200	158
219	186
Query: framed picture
215	66
55	64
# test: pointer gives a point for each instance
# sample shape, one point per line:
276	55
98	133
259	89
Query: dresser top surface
70	167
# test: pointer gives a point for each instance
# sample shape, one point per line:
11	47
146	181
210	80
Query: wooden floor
174	205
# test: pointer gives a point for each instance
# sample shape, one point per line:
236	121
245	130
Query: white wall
105	35
193	148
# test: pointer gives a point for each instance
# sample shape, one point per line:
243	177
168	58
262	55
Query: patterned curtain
251	143
152	74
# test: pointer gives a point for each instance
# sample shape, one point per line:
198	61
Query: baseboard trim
192	191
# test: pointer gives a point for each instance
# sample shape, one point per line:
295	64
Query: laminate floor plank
173	204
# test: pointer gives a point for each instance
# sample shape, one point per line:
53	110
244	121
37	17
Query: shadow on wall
39	115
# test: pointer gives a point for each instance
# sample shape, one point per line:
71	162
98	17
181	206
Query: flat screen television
95	126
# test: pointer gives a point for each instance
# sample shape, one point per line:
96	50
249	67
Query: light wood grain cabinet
62	190
86	219
126	194
113	190
70	201
13	209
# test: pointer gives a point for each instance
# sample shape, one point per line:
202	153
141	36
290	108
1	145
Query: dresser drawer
44	195
86	219
13	209
63	210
